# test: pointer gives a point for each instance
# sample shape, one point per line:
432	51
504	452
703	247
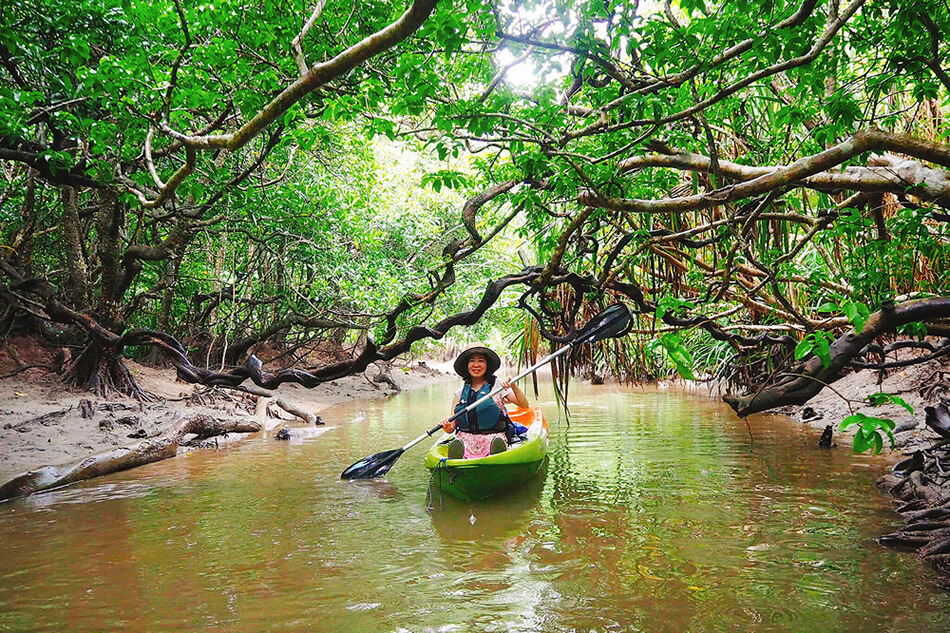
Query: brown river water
658	512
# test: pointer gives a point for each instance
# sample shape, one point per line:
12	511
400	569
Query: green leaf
804	347
871	432
862	442
877	399
857	314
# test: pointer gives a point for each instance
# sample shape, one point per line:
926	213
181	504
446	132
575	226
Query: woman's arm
447	426
516	396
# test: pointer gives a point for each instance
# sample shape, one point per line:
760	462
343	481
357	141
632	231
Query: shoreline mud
45	423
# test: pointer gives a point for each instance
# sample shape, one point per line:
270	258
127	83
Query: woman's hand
448	425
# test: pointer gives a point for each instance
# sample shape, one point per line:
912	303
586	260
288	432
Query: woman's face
477	365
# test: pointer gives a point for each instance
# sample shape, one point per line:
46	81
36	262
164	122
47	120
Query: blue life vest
487	417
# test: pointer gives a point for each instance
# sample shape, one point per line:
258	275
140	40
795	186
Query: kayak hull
479	478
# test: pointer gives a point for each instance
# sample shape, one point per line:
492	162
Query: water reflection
486	522
657	512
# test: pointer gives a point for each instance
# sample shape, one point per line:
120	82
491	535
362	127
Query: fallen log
802	385
154	449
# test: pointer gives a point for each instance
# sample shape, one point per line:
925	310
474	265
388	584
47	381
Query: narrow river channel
658	512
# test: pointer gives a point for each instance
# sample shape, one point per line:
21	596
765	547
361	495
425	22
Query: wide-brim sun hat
461	363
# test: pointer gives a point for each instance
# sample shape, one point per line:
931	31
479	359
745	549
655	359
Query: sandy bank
919	386
44	423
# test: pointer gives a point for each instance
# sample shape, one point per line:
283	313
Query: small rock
105	425
905	426
139	434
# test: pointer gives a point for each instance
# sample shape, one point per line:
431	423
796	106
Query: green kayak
482	477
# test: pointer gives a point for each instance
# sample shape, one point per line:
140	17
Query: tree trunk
77	286
100	368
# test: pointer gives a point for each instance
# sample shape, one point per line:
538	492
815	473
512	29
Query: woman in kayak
481	431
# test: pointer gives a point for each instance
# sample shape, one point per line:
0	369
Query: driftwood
45	420
265	397
293	409
147	451
386	378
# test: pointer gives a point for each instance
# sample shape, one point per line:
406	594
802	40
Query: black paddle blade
610	323
373	466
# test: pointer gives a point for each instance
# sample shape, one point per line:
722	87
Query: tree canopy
765	183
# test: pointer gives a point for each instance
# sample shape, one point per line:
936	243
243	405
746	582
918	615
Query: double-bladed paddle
609	323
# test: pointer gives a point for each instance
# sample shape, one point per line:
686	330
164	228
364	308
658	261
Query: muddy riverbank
42	422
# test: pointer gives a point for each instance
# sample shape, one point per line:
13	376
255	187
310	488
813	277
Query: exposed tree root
923	488
101	370
147	451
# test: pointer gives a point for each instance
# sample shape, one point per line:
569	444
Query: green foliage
817	343
677	353
672	305
877	399
871	432
915	330
447	178
352	209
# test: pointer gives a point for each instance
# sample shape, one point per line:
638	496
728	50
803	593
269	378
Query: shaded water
658	512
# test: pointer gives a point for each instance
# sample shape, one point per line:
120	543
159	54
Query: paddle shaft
490	395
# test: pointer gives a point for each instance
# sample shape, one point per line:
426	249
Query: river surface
658	512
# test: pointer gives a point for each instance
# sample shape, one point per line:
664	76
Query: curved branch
316	77
887	173
476	202
864	141
835	24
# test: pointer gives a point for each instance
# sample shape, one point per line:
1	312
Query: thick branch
864	141
887	173
843	351
316	77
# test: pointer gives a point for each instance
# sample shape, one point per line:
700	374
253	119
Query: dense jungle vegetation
765	183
